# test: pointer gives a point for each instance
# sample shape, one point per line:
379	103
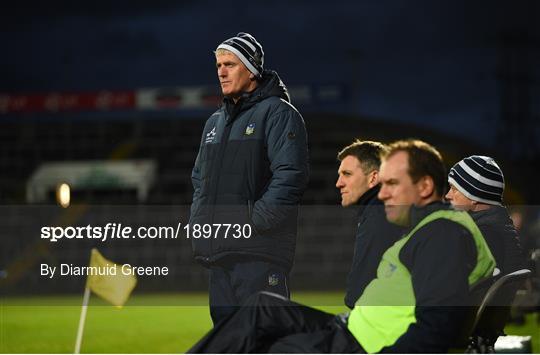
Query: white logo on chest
210	136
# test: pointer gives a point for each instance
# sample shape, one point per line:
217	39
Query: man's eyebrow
226	62
387	181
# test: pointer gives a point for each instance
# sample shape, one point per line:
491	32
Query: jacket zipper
221	153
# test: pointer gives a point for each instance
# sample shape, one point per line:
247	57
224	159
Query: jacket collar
270	85
369	195
495	215
368	198
418	213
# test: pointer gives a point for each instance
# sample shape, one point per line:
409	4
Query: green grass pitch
168	323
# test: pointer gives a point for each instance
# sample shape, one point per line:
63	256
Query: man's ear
373	178
251	76
426	186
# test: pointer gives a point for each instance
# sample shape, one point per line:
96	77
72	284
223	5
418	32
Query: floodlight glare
63	195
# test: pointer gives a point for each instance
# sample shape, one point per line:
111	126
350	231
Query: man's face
352	181
398	191
233	75
459	200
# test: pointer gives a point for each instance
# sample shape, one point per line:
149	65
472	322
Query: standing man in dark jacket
249	176
477	186
358	184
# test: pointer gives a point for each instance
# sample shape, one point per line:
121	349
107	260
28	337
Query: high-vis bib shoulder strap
386	309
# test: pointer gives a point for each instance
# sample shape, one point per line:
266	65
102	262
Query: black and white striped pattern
248	50
479	178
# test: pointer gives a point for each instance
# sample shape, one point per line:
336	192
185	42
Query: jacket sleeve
196	182
440	267
196	179
286	142
504	244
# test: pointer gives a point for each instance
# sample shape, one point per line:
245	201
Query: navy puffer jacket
252	168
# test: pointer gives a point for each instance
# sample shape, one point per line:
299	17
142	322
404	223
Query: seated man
358	183
412	306
476	186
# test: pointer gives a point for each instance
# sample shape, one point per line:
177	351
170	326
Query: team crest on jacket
250	129
210	136
273	280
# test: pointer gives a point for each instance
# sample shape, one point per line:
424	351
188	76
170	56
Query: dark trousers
232	283
271	323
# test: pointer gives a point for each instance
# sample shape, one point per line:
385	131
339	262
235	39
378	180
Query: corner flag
112	285
115	287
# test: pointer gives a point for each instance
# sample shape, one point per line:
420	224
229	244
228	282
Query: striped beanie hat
248	50
479	178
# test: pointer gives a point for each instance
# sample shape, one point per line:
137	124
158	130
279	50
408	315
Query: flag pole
82	320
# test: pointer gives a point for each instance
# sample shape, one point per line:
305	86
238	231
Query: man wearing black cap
250	174
477	186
